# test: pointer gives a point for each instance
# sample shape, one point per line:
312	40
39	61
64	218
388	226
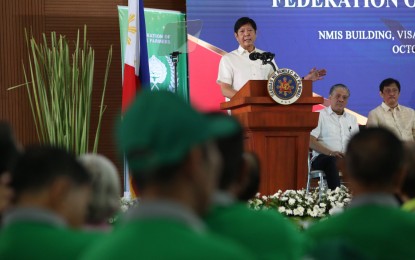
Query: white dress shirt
400	120
334	131
235	68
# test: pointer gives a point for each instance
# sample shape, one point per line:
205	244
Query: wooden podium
279	134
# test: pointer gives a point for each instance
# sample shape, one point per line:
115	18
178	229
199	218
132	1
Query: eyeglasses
390	91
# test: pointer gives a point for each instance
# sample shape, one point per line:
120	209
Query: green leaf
59	86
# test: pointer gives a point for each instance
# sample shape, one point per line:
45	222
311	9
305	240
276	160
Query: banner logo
285	86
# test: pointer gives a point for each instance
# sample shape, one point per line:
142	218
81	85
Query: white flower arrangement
126	202
299	203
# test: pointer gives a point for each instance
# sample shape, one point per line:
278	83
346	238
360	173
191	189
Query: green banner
166	34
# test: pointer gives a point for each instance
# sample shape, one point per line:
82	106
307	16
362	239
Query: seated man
267	234
6	193
329	139
9	152
174	164
373	224
407	191
399	119
51	196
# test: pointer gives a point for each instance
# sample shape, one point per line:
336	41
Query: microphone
261	56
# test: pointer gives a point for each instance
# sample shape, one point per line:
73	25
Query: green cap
159	129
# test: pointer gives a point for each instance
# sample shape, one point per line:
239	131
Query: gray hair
105	197
336	86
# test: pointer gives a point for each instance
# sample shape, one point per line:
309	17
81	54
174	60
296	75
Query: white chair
315	174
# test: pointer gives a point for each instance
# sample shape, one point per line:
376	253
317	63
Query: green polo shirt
374	225
266	233
38	234
164	230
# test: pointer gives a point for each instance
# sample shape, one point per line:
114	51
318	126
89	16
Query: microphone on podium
265	56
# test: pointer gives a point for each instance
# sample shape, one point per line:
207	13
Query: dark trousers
328	165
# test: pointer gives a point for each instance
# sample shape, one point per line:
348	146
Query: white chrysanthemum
281	209
291	201
256	202
264	197
289	192
339	204
284	198
288	212
299	211
274	196
125	200
323	205
321	213
279	192
313	213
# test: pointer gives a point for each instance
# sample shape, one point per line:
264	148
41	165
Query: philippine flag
136	70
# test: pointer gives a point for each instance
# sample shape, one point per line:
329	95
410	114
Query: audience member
250	184
236	68
106	191
174	163
51	196
6	193
399	119
329	139
9	152
373	224
407	192
267	234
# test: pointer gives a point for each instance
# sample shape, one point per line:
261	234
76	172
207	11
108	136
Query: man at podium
238	66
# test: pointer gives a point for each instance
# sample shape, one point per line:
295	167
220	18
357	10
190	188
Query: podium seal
285	86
